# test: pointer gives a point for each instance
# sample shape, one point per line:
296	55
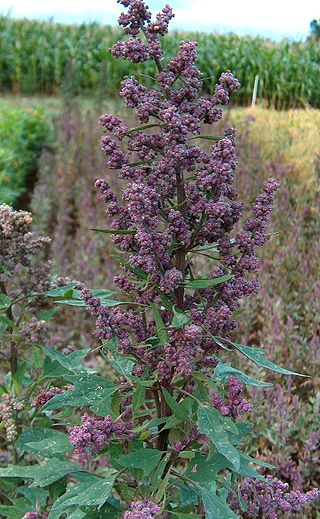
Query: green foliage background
44	57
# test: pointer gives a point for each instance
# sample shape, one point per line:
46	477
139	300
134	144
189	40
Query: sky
271	18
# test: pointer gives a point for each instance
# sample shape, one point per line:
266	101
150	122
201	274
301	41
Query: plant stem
180	255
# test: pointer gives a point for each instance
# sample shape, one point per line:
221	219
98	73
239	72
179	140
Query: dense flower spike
46	394
179	204
234	405
179	197
142	510
273	497
9	409
94	433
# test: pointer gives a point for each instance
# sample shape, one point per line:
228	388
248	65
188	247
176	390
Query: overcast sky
274	18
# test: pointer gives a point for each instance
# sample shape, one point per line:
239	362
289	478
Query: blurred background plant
41	57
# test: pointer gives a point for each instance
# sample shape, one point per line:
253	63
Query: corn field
50	58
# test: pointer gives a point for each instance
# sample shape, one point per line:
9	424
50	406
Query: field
48	58
50	158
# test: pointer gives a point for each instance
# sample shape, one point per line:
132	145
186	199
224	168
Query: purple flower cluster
35	330
272	497
233	404
138	19
94	433
46	394
31	515
142	510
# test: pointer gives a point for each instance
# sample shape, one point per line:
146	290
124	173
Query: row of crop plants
45	57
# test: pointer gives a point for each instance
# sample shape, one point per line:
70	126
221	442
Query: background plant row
23	135
47	57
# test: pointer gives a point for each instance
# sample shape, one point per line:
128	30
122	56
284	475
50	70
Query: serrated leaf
122	365
33	435
61	291
215	507
50	447
214	426
34	495
107	303
204	470
178	410
88	391
93	493
138	397
144	459
206	283
71	362
161	329
257	355
43	474
224	371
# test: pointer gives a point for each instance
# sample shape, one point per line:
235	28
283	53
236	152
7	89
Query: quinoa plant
162	431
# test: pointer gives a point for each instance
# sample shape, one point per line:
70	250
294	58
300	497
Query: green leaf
58	488
207	137
204	470
114	231
214	425
143	127
50	447
180	318
93	493
71	362
46	315
181	515
107	303
224	371
122	365
64	291
138	272
138	397
19	509
161	329
179	410
34	435
5	301
76	514
144	459
34	495
257	355
107	511
88	391
206	283
215	507
42	475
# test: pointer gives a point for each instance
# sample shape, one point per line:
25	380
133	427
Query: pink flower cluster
94	433
234	404
136	19
46	394
142	510
273	498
